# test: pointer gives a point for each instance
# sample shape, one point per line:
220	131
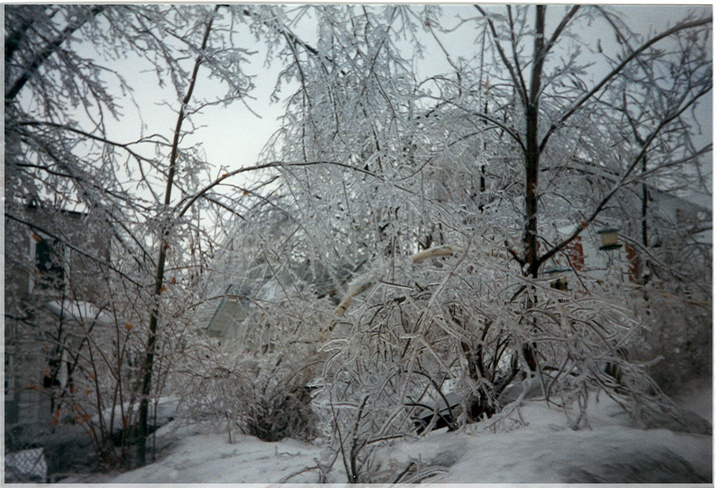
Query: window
49	256
9	376
11	407
9	371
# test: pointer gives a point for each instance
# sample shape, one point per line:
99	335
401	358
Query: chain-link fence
26	466
39	455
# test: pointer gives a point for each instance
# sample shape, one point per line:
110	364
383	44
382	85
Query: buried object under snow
434	415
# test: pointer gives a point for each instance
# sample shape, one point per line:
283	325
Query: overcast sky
234	136
642	18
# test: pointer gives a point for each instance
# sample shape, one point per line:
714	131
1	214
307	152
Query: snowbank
542	450
547	451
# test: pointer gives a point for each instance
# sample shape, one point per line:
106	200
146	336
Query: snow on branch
441	251
435	252
348	299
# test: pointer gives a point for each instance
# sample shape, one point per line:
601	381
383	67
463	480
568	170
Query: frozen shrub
264	397
678	341
469	326
256	383
273	401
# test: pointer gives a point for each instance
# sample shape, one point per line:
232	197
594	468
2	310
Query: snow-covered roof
79	311
233	305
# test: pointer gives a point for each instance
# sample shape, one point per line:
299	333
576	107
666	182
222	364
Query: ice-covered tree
76	139
535	128
440	189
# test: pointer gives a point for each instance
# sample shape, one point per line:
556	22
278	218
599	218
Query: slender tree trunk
645	199
532	149
148	363
641	263
532	168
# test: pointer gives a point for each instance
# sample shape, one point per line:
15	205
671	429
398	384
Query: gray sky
233	137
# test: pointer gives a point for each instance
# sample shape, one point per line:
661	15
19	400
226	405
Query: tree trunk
148	363
532	149
532	168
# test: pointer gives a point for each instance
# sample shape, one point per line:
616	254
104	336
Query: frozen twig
435	252
348	299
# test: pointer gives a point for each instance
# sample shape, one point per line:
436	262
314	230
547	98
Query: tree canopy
444	183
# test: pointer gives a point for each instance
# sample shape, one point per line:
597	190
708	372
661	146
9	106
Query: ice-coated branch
616	71
47	51
348	298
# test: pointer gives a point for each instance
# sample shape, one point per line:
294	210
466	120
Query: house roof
217	315
324	280
81	312
230	311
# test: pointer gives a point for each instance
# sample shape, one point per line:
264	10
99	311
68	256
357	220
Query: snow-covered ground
544	450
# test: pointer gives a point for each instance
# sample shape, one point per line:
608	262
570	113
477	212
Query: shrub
678	341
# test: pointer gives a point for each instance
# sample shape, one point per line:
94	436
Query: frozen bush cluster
256	388
265	397
460	325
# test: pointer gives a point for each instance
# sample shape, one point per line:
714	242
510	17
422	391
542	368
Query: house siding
27	351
